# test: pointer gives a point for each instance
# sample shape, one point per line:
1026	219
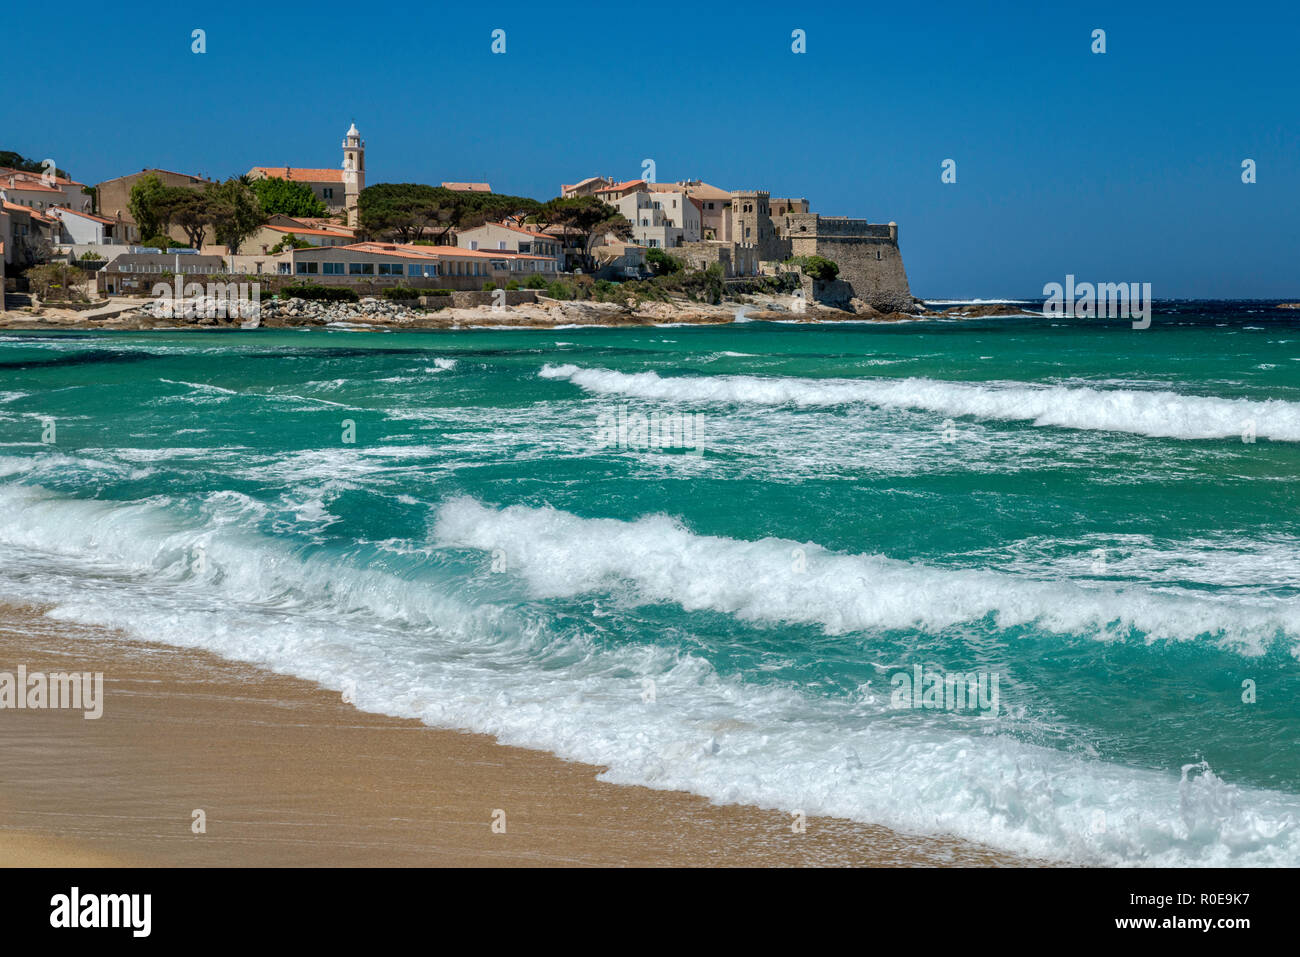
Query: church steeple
354	171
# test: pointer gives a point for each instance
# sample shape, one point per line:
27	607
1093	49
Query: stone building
867	254
115	199
871	265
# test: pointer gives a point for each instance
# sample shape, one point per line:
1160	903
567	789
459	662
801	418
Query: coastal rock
985	310
865	309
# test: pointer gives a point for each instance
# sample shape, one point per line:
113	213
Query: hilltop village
319	245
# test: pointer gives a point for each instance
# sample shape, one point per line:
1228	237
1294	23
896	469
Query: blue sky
1124	166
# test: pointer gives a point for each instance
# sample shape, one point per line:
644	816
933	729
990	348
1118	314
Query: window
390	269
413	269
473	244
282	268
332	269
361	269
308	269
501	244
877	255
327	192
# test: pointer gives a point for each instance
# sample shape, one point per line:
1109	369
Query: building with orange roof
82	228
27	233
339	189
74	193
372	266
502	237
31	192
616	191
272	234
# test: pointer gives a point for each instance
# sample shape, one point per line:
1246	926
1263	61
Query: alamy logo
1104	300
38	691
74	909
658	430
218	300
944	691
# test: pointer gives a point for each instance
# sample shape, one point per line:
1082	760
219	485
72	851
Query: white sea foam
778	580
1157	414
414	646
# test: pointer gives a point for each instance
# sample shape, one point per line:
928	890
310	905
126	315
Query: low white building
82	228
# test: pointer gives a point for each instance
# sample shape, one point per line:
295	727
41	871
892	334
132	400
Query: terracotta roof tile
296	175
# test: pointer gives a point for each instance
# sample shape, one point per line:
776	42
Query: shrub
489	286
401	292
435	292
818	267
57	280
535	281
559	290
321	293
704	284
512	284
662	264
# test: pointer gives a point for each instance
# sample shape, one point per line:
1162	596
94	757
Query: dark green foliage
320	293
662	264
282	196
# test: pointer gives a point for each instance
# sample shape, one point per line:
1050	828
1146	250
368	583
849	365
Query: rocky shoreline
543	314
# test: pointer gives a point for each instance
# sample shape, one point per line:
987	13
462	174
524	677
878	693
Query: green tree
818	267
236	212
409	212
145	195
405	211
284	197
190	209
585	217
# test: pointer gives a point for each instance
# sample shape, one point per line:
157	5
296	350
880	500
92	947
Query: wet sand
289	774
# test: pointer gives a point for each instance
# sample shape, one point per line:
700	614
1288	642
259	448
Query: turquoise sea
1105	521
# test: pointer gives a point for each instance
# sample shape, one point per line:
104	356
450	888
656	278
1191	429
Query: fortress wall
867	254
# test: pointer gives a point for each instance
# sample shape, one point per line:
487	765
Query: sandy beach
288	774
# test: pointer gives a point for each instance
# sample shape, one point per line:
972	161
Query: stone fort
765	231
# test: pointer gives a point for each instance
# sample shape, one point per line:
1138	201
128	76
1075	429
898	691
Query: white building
82	228
661	219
